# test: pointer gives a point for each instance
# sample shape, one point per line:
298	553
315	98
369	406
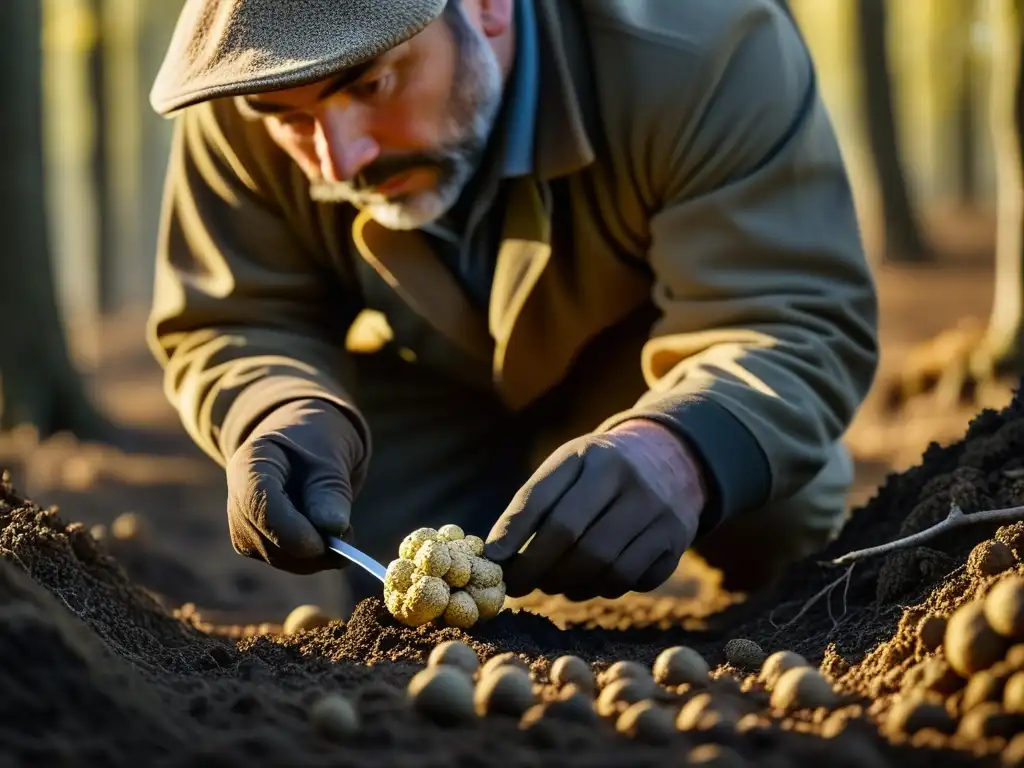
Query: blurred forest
923	95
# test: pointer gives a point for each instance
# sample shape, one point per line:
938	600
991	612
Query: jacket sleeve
247	311
767	341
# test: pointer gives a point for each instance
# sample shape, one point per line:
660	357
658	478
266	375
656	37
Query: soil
96	670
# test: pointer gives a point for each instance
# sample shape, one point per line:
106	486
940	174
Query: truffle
1004	608
972	645
679	665
443	693
452	653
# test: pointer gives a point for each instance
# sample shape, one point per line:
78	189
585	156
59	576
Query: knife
361	559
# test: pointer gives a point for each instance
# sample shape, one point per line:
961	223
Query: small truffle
471	545
393	601
715	755
620	693
989	558
573	708
506	691
916	713
744	654
777	664
442	693
452	653
334	717
680	665
304	618
802	688
703	713
130	527
646	721
484	573
1004	608
983	686
399	575
1013	694
476	545
930	632
425	601
972	645
488	601
572	670
987	721
450	532
936	674
623	669
461	612
411	544
1015	658
507	659
459	572
433	558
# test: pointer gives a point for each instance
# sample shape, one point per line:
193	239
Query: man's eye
370	88
295	120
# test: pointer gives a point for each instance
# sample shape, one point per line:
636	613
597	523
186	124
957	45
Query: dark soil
96	671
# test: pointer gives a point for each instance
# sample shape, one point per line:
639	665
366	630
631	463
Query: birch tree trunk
904	240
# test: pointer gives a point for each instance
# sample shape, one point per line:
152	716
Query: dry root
955	519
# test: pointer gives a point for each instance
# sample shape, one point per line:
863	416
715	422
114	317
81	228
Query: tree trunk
39	384
904	241
97	63
1003	341
966	110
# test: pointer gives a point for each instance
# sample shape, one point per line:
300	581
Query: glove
291	482
609	513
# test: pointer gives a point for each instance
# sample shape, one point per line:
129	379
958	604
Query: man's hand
609	514
290	483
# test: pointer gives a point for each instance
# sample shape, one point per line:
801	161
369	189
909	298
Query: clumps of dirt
93	665
984	470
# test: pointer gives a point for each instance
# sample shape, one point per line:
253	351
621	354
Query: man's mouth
394	185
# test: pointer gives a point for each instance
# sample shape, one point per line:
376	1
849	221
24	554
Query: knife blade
361	559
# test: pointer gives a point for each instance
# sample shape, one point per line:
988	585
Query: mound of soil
97	671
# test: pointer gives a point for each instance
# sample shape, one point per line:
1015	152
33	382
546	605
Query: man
584	278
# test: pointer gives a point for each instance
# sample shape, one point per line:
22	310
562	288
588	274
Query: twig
825	592
956	518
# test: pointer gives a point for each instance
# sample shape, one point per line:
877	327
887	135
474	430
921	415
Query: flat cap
233	47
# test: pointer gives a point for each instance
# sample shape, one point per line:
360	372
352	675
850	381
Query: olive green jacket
692	177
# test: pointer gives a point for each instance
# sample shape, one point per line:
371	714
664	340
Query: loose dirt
95	670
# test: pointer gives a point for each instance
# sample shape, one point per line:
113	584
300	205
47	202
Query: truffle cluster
442	574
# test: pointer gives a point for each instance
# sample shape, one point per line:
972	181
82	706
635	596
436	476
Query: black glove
291	482
603	515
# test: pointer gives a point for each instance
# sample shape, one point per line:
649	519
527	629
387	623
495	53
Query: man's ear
496	16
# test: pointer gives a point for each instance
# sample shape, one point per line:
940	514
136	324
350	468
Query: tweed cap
233	47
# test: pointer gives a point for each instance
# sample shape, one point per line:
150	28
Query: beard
475	102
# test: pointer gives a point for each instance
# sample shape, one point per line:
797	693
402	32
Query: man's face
402	136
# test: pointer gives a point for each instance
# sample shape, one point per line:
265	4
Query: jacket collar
523	280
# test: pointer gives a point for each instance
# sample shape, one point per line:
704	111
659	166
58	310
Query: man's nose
342	148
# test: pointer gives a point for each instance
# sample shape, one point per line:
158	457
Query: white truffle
462	611
393	601
489	600
304	618
450	532
459	573
425	601
399	575
471	545
411	544
433	558
484	573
